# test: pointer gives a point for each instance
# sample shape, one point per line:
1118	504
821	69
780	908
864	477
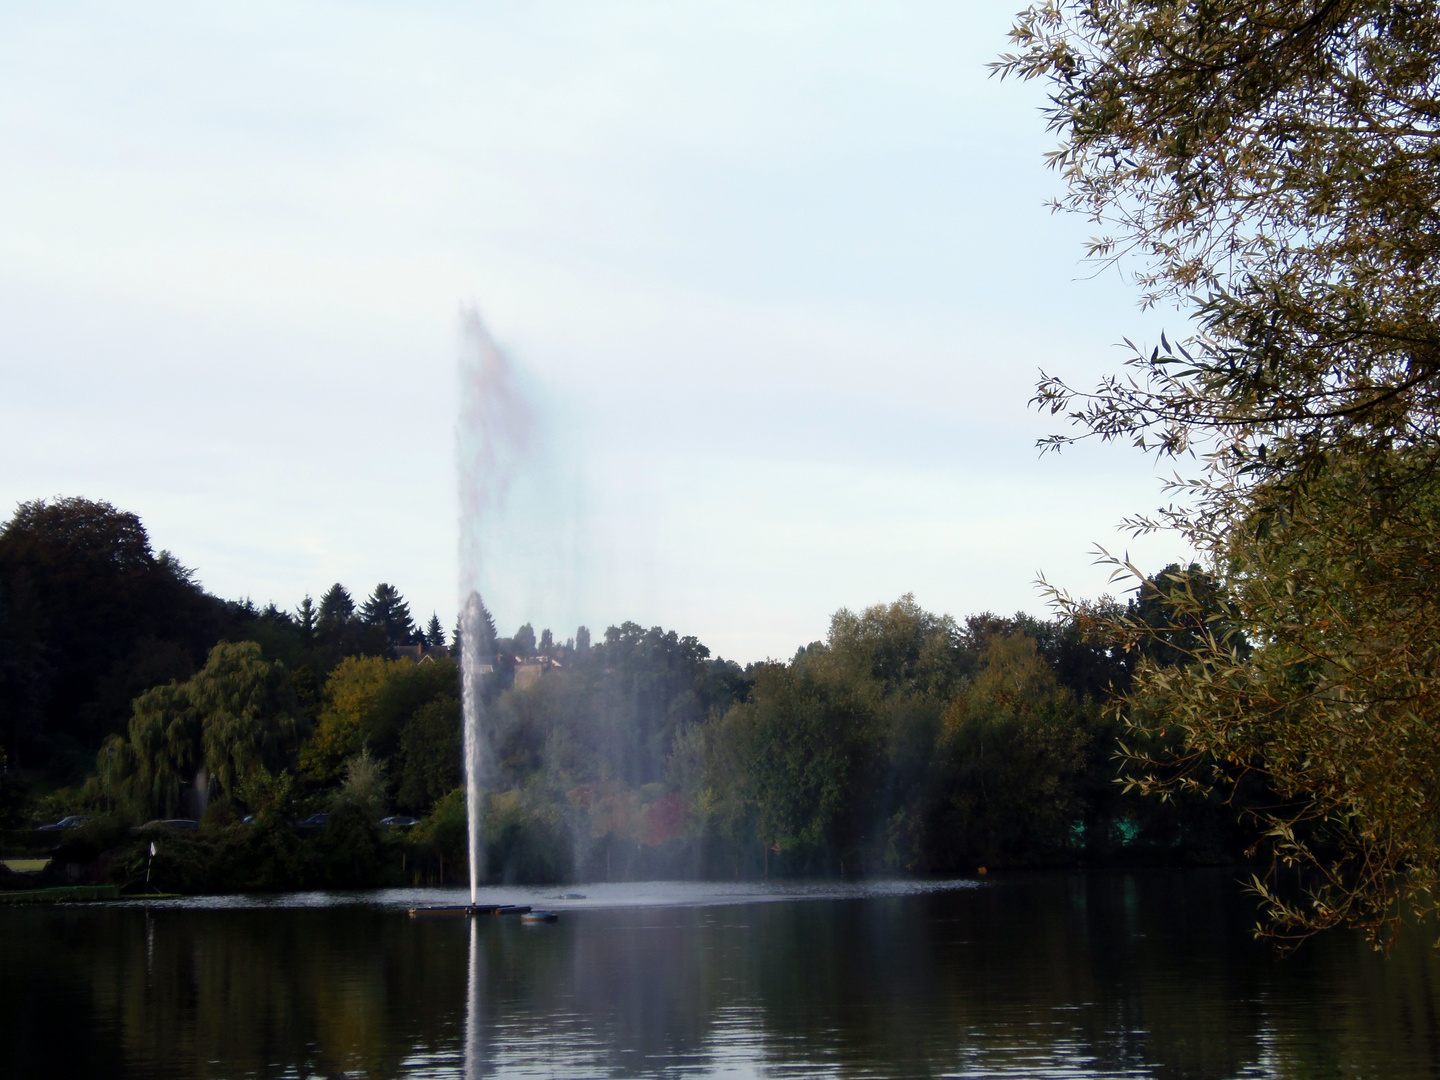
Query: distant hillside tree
306	617
336	607
387	609
435	633
523	643
89	617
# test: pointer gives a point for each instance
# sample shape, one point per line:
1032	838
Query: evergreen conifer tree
387	609
524	641
336	607
306	616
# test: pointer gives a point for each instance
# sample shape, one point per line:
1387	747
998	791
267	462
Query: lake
1034	975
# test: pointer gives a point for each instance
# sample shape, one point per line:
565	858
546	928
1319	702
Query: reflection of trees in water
1152	972
259	991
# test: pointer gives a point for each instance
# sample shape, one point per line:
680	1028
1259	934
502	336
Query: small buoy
539	916
980	870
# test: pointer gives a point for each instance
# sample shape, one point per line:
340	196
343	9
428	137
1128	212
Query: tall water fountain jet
493	438
476	654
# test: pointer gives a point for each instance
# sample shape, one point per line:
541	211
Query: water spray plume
476	654
492	436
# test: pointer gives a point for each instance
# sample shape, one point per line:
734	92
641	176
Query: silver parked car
74	821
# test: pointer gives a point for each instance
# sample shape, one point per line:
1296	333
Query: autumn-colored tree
341	727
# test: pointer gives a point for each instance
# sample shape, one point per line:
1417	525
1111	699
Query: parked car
399	821
314	821
74	821
171	823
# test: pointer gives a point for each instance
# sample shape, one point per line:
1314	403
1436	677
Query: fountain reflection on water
472	1007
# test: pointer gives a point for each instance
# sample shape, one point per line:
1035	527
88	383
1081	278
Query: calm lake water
1098	975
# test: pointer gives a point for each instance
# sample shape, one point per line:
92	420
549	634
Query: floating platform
468	910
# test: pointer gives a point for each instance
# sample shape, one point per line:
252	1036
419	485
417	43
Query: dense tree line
905	742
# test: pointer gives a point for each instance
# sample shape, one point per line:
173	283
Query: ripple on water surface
578	897
1038	975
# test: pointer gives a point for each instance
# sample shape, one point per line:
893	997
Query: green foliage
430	753
407	689
350	851
369	705
341	632
12	798
903	741
808	746
1273	164
525	842
235	858
336	608
434	632
616	708
271	797
1332	709
237	715
249	715
1014	751
523	643
387	610
164	750
894	648
340	728
365	784
445	831
89	617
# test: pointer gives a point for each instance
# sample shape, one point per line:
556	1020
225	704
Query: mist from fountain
495	438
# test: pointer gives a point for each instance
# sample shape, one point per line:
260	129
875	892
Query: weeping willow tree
1273	169
237	717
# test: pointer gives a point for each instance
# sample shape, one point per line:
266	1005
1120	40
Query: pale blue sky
781	275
